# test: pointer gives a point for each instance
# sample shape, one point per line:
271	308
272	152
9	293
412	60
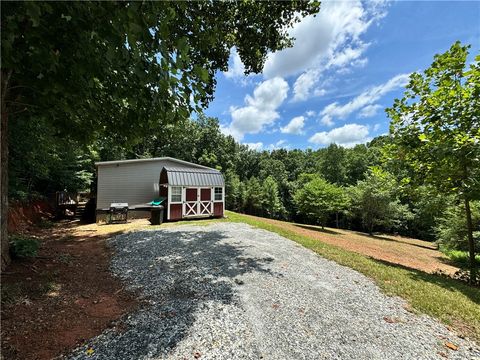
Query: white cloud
255	146
260	110
376	127
369	111
310	113
365	99
331	40
279	145
295	126
348	135
304	84
235	66
327	120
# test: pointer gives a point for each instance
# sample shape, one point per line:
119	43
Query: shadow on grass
317	228
446	282
178	272
384	238
460	260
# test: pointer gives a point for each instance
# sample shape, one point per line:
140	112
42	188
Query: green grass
460	258
448	300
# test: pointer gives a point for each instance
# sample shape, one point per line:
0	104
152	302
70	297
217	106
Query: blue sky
346	66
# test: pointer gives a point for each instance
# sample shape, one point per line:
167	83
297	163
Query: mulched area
66	295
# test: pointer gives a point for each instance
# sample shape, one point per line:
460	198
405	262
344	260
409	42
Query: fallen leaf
197	355
89	351
275	306
451	346
392	320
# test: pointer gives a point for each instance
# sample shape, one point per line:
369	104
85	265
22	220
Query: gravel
230	291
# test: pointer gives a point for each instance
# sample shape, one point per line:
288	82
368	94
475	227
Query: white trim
182	196
101	163
223	194
168	202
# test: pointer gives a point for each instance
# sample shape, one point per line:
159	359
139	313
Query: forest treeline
354	188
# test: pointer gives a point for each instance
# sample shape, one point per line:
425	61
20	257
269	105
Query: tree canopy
113	71
436	129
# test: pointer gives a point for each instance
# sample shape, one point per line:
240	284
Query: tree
451	227
318	199
272	204
120	68
375	201
254	195
232	191
436	129
332	164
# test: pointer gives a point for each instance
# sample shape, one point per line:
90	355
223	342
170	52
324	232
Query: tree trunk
471	243
4	189
336	219
4	246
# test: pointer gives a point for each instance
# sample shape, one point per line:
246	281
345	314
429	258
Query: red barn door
191	202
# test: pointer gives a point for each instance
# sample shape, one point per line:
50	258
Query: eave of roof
129	161
194	177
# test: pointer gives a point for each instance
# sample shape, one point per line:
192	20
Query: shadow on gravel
177	272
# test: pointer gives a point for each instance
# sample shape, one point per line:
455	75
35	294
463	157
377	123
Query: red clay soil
66	295
412	253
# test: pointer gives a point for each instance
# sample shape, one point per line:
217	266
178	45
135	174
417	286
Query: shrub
451	229
459	257
45	223
21	247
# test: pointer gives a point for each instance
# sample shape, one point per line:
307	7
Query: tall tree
317	199
121	68
254	196
272	204
375	201
436	129
332	164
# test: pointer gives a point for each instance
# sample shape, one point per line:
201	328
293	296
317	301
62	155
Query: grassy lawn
449	300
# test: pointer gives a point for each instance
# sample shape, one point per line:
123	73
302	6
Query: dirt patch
412	253
65	296
22	214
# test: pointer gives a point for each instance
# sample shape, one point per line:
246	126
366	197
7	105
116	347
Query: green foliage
332	164
451	228
272	204
375	201
102	78
436	129
22	247
254	196
317	199
435	125
427	206
123	67
459	257
233	191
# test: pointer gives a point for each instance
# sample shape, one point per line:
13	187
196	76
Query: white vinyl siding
134	183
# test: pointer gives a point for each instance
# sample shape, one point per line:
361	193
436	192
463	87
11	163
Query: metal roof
100	163
193	177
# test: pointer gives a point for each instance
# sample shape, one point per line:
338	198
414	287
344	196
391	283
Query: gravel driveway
230	291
